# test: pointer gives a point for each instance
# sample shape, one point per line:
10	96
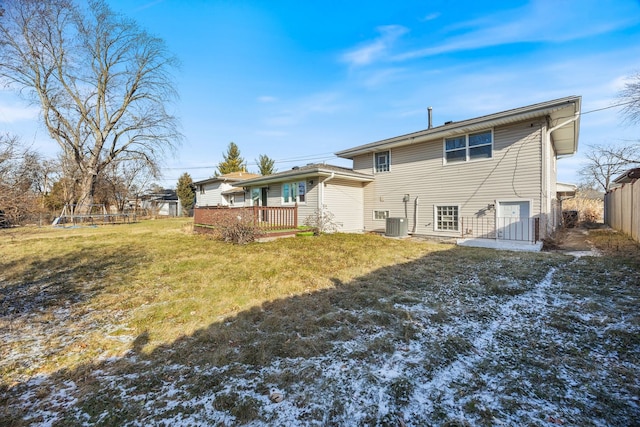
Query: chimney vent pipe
430	116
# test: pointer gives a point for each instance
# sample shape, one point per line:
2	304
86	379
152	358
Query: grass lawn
149	324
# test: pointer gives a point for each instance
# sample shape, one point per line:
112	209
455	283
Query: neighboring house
165	203
221	190
490	176
315	189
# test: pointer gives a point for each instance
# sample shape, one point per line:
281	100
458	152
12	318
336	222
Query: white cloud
149	5
538	21
13	113
325	103
430	17
267	99
381	77
271	133
376	49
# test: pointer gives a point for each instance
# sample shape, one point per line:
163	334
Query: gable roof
234	190
563	115
228	177
308	171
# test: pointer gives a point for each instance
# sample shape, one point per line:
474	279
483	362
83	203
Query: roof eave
304	174
535	111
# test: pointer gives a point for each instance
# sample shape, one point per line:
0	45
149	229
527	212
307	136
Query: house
162	203
314	189
488	177
491	177
221	190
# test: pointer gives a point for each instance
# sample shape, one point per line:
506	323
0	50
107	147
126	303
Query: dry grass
348	329
109	285
589	210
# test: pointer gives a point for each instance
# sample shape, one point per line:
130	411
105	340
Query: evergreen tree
185	192
232	162
265	165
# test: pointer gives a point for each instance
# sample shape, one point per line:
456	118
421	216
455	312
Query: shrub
239	229
590	214
321	221
590	210
233	225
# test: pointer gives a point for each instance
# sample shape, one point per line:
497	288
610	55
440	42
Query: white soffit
565	138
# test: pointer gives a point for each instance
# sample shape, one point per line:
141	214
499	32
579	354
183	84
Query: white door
514	221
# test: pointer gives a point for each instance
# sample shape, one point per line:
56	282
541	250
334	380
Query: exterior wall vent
396	227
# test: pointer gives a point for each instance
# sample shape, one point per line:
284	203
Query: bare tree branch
630	94
103	83
606	162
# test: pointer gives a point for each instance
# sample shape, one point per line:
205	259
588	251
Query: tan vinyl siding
513	173
212	194
345	200
364	163
308	208
274	195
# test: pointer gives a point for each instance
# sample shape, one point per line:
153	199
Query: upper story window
294	192
201	189
469	147
382	161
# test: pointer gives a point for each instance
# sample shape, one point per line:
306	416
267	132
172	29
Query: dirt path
576	241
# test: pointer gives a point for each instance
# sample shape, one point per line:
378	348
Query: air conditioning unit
396	227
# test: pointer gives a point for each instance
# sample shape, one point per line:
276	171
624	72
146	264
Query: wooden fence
622	209
267	218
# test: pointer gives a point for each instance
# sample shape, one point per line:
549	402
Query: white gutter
566	122
322	185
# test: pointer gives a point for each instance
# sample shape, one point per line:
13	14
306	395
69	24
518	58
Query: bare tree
630	96
121	180
102	82
20	174
606	162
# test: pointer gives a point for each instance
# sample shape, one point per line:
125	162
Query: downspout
415	216
547	196
321	198
545	201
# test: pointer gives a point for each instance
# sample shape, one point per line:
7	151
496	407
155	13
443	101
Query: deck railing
503	228
267	218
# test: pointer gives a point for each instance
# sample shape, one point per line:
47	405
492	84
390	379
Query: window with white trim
255	196
468	147
294	192
446	218
382	161
380	215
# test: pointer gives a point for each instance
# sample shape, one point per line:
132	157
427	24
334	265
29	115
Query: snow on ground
506	351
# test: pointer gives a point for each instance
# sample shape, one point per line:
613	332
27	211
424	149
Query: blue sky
300	80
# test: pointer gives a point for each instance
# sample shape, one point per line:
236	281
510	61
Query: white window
469	147
446	218
255	197
382	161
380	214
294	192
